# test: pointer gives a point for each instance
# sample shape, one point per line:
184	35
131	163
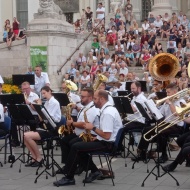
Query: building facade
24	9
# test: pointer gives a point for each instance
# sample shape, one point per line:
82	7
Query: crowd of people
12	32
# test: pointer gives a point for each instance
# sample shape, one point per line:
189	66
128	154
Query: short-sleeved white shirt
100	16
53	108
110	121
31	98
92	116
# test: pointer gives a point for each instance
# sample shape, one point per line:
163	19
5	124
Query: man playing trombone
170	125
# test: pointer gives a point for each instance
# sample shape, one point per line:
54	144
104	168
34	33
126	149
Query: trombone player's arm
172	106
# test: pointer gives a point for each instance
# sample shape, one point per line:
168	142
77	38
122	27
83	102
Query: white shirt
158	23
31	98
92	116
140	99
122	47
166	111
145	27
100	16
1	113
85	79
110	121
123	71
41	82
75	99
53	108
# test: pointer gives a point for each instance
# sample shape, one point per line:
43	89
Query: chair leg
110	168
84	182
5	154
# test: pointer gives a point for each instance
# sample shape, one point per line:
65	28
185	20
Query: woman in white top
53	108
85	79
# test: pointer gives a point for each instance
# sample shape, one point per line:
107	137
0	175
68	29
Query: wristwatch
94	129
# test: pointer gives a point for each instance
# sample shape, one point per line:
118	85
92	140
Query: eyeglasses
25	88
84	96
36	70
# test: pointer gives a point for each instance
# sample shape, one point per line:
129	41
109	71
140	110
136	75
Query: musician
184	142
74	98
157	87
110	123
102	86
92	115
30	98
167	110
3	127
41	79
53	108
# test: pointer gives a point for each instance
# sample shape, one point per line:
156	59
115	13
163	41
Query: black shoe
64	181
187	164
93	176
29	164
170	167
15	143
79	170
37	164
163	159
141	157
60	171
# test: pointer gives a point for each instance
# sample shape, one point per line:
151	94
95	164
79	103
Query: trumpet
176	96
183	113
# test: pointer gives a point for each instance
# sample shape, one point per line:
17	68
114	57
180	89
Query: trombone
183	113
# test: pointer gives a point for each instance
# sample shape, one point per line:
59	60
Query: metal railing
78	47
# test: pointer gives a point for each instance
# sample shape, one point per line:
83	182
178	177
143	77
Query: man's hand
69	122
88	126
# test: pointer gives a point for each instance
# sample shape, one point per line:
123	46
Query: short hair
103	94
89	90
137	83
100	3
39	66
47	89
158	81
25	83
172	86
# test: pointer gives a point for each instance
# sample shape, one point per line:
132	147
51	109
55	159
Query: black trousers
183	138
162	138
79	153
66	143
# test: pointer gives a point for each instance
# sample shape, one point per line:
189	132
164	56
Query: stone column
137	6
174	4
188	10
161	7
51	30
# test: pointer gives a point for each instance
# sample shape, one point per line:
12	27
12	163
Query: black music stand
143	86
62	98
47	120
11	99
161	95
158	165
22	113
19	79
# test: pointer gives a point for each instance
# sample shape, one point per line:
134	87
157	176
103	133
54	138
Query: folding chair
108	156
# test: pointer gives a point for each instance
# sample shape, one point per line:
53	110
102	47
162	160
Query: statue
48	6
114	5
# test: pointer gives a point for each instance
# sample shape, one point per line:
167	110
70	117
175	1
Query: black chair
108	156
7	123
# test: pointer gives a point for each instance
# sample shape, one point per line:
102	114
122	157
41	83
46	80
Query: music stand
157	118
22	113
19	79
10	99
62	98
161	95
46	118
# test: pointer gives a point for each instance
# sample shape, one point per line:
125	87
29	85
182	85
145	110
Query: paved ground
125	177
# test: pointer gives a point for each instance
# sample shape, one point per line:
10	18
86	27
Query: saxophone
86	137
63	130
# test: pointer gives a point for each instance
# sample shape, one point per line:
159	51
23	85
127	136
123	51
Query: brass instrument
63	130
163	66
71	86
99	79
176	96
86	137
183	113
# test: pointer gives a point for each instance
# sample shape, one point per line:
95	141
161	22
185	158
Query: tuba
163	66
86	137
100	78
63	130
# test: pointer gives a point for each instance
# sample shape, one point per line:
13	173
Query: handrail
77	48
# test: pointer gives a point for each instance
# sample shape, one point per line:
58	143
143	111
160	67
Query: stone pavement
125	177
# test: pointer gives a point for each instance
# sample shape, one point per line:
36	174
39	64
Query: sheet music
153	109
48	118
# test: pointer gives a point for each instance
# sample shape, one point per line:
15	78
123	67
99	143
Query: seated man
110	123
168	110
111	38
